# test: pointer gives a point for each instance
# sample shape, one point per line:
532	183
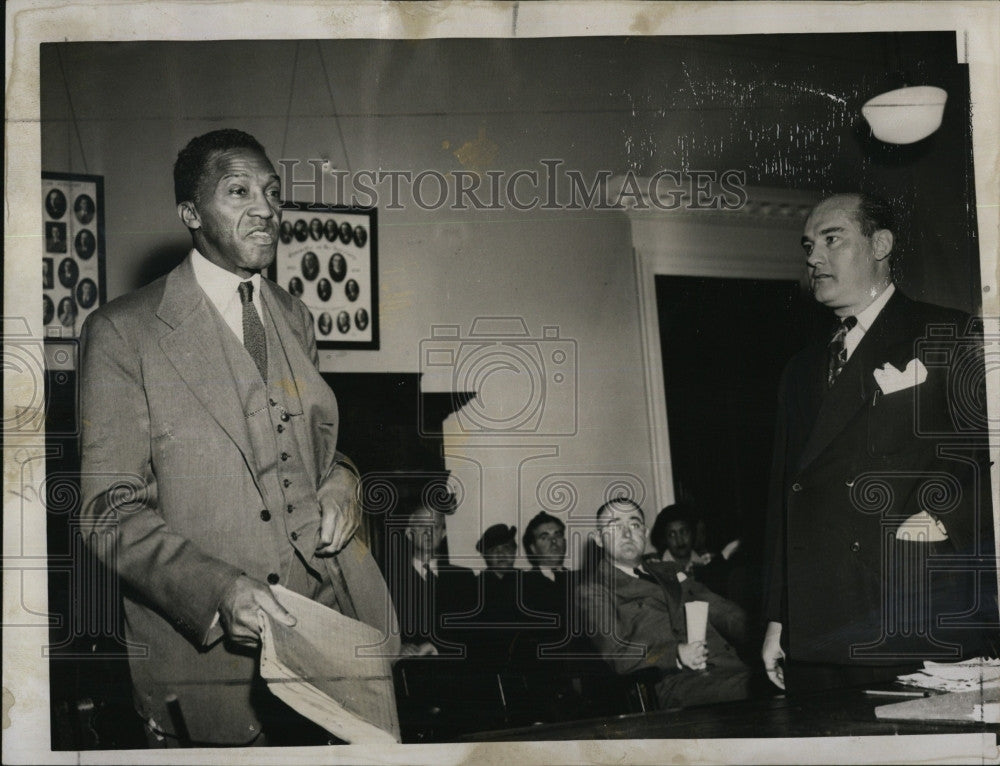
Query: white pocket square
890	379
922	527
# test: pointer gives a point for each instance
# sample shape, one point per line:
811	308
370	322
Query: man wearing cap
488	632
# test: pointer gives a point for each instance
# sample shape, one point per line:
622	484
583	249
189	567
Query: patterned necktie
837	350
253	329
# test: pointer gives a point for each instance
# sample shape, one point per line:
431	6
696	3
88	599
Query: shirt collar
218	284
867	317
419	566
548	573
630	571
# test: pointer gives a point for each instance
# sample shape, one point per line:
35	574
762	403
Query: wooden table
846	712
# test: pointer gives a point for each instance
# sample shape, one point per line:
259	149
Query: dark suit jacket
174	492
853	463
426	607
638	624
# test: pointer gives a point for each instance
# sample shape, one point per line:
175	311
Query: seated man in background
546	585
633	612
490	629
675	539
426	588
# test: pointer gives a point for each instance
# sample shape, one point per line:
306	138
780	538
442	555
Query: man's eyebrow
272	178
831	229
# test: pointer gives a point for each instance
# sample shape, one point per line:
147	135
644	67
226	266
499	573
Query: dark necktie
253	329
642	574
837	350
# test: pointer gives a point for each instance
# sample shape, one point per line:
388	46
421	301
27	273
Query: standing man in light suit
879	515
210	463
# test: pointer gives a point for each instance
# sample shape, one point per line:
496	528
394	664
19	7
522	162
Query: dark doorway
724	343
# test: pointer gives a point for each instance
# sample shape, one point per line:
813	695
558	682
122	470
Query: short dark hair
192	160
677	512
620	500
874	213
529	531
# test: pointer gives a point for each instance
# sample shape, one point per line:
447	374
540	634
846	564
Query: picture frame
328	257
73	252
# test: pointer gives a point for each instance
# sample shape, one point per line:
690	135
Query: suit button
294	535
796	487
281	428
855	546
265	515
284	456
284	417
287	483
290	508
273	578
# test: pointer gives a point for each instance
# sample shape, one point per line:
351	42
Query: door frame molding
757	240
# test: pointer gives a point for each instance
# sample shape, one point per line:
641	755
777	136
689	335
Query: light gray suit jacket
173	491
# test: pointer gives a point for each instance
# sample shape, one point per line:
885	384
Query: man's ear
188	214
596	537
882	242
409	534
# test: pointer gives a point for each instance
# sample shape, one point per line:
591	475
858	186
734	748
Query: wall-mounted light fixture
906	115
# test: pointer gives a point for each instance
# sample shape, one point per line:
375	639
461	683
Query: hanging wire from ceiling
333	104
291	92
72	111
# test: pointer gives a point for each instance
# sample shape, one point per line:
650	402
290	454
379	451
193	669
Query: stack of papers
330	669
972	675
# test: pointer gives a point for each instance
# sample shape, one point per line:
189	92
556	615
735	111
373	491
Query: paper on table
970	675
328	668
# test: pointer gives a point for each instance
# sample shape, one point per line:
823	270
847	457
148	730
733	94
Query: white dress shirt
419	566
222	289
866	319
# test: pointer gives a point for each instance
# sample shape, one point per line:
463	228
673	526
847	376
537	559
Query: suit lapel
855	385
201	362
301	366
628	587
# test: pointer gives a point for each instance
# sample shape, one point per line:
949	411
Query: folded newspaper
329	668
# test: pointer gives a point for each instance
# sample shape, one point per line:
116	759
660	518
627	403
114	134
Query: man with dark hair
634	613
210	468
546	641
675	539
546	586
879	521
544	541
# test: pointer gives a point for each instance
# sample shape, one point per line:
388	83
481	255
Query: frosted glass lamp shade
907	115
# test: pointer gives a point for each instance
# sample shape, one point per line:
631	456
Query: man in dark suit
879	472
210	467
633	611
426	588
546	587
